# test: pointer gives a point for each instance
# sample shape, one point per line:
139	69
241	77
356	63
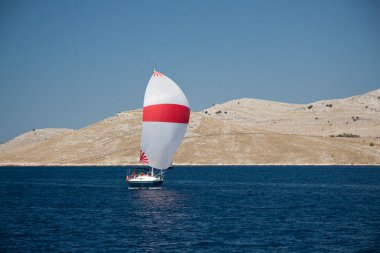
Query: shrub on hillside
348	135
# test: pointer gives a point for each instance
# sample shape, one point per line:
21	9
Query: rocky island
239	132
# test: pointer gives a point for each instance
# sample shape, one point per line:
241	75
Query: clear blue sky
73	63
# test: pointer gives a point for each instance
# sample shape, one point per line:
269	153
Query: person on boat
134	173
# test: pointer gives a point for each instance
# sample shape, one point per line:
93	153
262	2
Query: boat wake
145	188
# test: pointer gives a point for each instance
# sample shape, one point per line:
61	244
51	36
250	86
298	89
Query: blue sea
200	209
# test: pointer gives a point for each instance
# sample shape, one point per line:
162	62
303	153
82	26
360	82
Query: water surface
202	209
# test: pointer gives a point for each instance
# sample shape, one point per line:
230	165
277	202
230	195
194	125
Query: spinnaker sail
166	114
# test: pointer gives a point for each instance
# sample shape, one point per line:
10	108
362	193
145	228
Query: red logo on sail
143	157
156	73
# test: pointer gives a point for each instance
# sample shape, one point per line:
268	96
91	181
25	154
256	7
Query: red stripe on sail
166	113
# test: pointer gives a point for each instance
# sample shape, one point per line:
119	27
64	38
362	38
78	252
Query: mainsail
166	115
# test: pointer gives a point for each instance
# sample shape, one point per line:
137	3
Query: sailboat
166	114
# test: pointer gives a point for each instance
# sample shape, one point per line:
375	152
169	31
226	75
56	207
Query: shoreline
186	165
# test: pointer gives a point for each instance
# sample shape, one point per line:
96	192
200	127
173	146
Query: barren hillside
243	131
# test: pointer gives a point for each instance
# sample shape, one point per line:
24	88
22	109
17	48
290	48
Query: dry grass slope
244	131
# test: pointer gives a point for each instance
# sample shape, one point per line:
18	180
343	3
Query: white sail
166	115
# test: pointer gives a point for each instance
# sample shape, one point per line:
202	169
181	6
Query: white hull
145	181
